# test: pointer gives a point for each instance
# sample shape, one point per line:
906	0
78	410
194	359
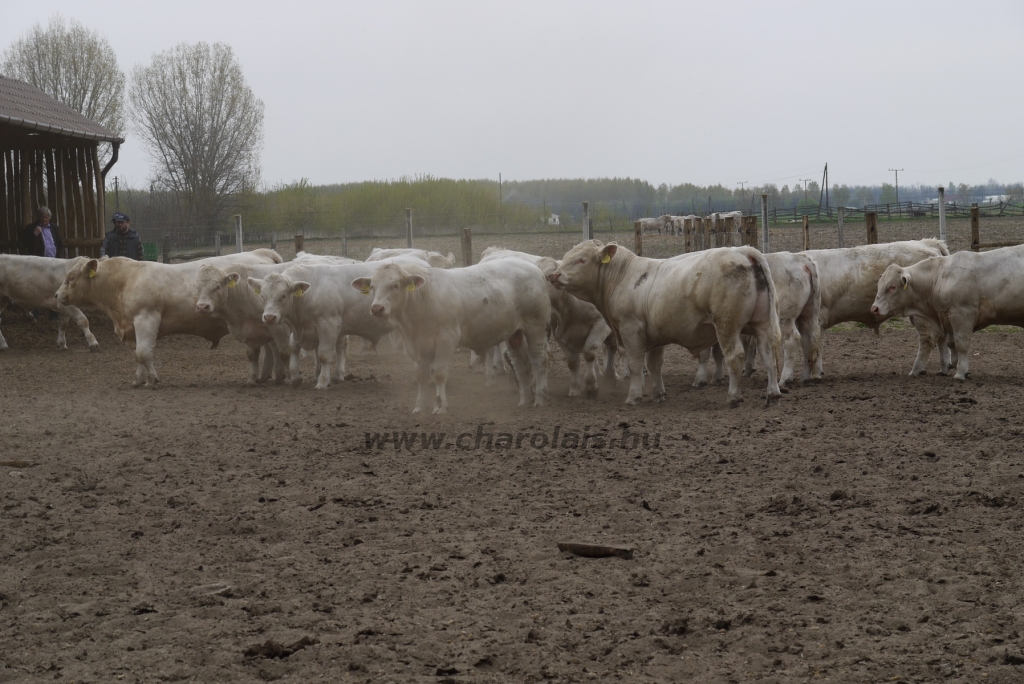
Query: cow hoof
747	373
321	387
574	393
591	393
62	347
439	410
917	374
699	384
734	403
659	398
94	347
634	402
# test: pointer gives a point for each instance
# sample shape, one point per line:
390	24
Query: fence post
586	221
467	246
344	240
730	227
807	232
273	241
942	213
871	220
638	238
298	243
841	245
765	246
408	228
975	229
238	231
216	245
167	249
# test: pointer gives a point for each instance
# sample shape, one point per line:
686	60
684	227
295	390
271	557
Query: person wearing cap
122	240
42	238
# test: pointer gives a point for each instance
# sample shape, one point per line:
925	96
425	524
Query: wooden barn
49	156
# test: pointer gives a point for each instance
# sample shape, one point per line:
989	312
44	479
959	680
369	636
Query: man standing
42	238
122	240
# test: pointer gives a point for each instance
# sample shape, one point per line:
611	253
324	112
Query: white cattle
577	326
649	225
957	294
319	307
849	279
322	259
679	223
798	300
476	308
148	300
435	259
224	294
710	297
30	282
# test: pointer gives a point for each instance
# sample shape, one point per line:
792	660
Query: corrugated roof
27	107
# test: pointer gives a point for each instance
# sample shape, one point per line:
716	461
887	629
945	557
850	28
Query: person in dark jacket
122	240
42	238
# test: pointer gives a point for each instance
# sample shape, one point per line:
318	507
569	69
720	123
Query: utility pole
117	197
805	181
897	171
743	195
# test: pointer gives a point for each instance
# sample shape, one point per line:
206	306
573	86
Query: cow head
78	283
390	287
279	294
579	269
212	287
892	297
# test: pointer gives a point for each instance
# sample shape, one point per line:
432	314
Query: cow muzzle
378	311
269	319
203	308
555	279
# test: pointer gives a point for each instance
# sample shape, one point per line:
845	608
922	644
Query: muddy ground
866	529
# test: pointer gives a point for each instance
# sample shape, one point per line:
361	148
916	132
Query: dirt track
866	529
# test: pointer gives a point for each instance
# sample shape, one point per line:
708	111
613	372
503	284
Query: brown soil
866	529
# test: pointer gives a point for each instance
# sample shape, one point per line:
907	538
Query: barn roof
26	108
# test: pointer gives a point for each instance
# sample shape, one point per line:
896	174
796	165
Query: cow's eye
892	288
581	260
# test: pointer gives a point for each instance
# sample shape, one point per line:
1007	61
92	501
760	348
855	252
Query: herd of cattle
727	305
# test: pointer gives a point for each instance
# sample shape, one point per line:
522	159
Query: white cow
849	279
324	259
649	225
475	307
435	259
318	305
224	294
957	294
679	223
798	301
31	281
148	300
577	326
711	297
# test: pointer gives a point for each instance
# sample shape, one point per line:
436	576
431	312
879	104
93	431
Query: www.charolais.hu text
491	439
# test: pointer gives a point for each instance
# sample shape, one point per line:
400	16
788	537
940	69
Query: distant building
553	220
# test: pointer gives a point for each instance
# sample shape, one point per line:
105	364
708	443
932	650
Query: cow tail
815	350
760	263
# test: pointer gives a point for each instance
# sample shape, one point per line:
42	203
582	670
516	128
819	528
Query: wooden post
638	238
238	232
765	246
167	249
942	213
467	246
871	219
590	229
751	230
807	232
299	243
586	221
27	215
687	235
408	228
216	245
344	240
841	241
730	228
975	229
273	241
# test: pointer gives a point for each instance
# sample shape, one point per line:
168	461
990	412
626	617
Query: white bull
849	279
649	225
957	294
435	259
31	281
147	300
711	297
577	326
476	307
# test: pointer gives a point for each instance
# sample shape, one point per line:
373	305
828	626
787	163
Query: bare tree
202	124
73	65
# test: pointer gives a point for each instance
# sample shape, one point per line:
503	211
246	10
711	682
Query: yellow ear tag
365	290
92	273
410	287
231	283
256	289
605	259
299	293
904	286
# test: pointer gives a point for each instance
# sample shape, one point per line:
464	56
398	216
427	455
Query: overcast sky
711	92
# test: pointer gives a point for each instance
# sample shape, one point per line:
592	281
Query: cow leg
572	360
147	327
655	358
521	365
925	344
750	349
537	350
591	349
791	347
443	354
610	350
294	362
422	386
62	324
635	352
701	379
716	354
767	350
491	361
326	356
733	356
4	301
253	354
82	322
806	342
269	361
342	351
963	330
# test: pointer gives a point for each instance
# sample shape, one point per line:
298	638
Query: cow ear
300	288
233	279
362	284
608	252
413	282
905	279
90	267
254	284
